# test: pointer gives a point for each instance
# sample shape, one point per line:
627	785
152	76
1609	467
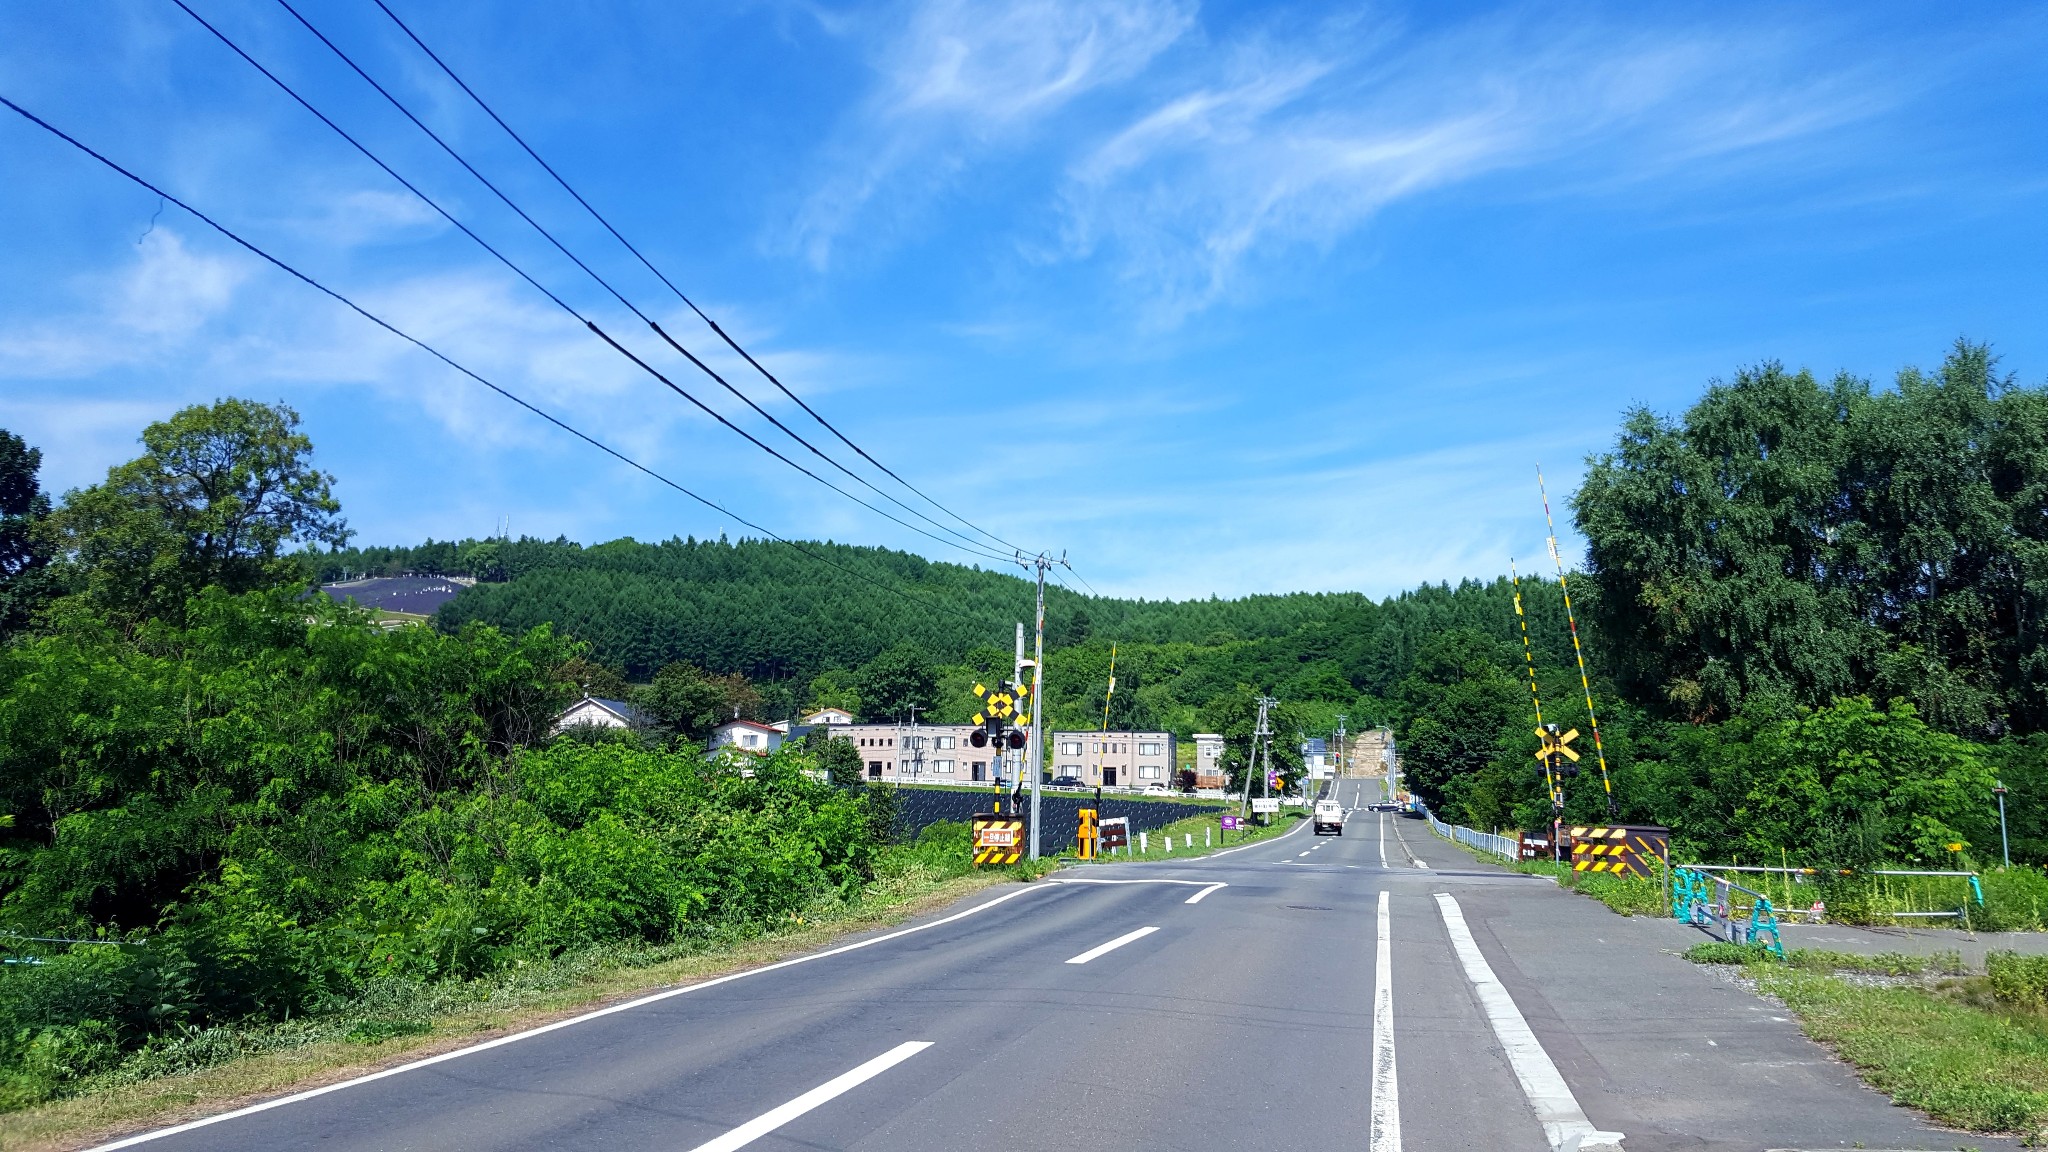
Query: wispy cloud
953	78
1287	143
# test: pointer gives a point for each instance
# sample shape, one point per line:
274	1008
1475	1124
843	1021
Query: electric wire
659	275
437	354
558	301
550	237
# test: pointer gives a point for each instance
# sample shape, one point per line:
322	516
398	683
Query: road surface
1378	991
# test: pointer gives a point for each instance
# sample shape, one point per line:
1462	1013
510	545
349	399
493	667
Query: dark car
1067	782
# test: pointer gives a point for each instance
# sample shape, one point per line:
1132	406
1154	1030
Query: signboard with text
1266	804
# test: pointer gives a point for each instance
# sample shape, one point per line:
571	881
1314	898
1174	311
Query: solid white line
1564	1122
1386	1093
1197	897
1113	945
1145	880
1261	843
515	1037
1383	839
775	1118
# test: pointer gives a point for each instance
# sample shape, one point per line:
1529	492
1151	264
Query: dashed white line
1386	1095
1564	1122
775	1118
1197	897
1113	945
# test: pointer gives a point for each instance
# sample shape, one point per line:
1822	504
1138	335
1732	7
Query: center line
775	1118
1113	945
1386	1095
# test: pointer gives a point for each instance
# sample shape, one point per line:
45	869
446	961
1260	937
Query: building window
944	742
750	740
1070	748
1152	772
1148	749
943	767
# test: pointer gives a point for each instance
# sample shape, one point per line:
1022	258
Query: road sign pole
2004	845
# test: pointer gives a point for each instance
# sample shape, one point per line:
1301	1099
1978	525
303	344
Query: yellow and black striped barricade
1621	849
997	839
1084	837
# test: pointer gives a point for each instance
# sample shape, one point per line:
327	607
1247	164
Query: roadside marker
1113	945
1564	1122
775	1118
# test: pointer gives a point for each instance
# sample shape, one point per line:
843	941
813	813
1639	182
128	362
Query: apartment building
1114	759
920	753
1209	760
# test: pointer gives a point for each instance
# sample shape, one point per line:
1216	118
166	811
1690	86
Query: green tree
25	584
834	688
837	756
691	702
216	494
1461	701
893	683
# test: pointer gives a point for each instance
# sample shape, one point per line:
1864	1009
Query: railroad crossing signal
1002	707
1556	753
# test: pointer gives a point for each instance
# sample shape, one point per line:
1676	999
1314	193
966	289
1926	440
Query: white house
600	713
827	716
747	736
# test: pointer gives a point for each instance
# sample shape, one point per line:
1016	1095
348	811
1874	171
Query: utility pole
916	749
1251	761
1035	756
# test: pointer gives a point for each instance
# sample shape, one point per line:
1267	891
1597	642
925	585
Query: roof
1315	746
755	725
619	708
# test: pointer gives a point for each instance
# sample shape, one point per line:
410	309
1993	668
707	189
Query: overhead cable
437	354
558	301
659	275
507	200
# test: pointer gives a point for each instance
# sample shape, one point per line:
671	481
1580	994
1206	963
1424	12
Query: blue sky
1218	298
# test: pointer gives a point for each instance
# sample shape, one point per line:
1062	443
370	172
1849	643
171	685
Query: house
747	736
922	753
828	716
1209	771
1115	759
597	712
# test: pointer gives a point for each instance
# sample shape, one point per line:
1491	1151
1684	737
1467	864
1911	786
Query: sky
1216	299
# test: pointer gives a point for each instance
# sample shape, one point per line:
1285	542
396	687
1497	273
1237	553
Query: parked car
1067	782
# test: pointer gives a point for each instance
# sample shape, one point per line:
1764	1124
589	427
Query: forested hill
778	612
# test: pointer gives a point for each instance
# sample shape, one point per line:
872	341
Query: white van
1329	817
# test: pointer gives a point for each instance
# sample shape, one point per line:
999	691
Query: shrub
2021	981
1722	952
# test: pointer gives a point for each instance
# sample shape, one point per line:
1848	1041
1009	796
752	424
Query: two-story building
747	736
920	753
1115	759
1209	771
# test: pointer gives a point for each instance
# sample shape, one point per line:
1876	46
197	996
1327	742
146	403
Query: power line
601	281
558	301
437	354
659	275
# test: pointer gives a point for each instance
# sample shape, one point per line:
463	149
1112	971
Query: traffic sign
1555	744
1265	804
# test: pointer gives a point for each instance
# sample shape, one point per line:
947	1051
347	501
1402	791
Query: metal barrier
1708	901
1505	847
1803	875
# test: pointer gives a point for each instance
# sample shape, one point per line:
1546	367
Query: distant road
1377	991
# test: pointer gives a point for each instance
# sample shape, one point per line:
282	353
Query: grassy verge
1918	1028
1627	895
221	1068
1198	827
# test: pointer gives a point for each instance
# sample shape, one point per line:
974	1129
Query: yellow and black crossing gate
997	839
1623	849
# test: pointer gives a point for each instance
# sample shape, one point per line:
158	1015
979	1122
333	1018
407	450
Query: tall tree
25	583
898	680
216	494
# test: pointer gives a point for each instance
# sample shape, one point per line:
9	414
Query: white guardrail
1505	847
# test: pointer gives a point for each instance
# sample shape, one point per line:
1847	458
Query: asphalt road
1377	991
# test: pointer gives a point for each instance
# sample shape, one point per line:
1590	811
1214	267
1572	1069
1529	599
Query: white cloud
165	295
955	77
1281	144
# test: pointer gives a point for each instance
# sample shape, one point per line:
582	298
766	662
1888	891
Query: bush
1722	952
2021	981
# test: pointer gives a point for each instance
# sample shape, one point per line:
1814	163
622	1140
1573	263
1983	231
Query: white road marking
1260	844
1298	855
1383	839
1564	1122
775	1118
1197	897
1113	945
1386	1094
530	1033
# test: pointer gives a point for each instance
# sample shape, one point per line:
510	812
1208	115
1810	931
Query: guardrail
1505	847
1803	874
